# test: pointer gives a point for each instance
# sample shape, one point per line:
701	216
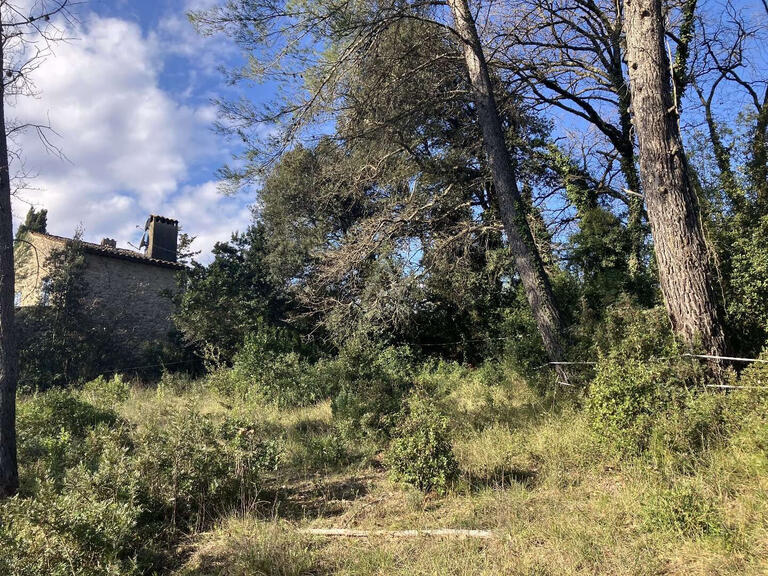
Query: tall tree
673	209
527	260
17	29
352	35
9	473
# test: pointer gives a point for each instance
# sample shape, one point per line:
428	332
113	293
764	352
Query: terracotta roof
121	253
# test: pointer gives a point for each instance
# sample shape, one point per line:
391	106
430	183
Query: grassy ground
560	500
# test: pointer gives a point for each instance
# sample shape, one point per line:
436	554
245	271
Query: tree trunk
626	150
758	164
673	209
527	261
9	474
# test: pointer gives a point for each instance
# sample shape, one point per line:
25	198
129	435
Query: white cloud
131	147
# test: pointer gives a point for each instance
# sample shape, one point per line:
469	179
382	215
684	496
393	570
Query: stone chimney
160	238
108	243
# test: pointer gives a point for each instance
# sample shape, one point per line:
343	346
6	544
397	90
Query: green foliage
62	533
600	251
220	304
114	498
420	451
682	430
192	467
624	400
370	380
65	340
52	431
35	221
106	392
638	377
269	365
630	332
748	301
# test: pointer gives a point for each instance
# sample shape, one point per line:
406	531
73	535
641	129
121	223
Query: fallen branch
443	532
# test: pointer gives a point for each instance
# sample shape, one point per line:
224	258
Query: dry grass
560	499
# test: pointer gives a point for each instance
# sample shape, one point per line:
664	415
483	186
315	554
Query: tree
65	340
673	208
220	304
527	261
569	55
17	29
346	39
35	221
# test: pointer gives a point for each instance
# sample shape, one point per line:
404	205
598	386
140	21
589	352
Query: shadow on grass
312	499
502	478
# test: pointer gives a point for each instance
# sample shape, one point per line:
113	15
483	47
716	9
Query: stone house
129	289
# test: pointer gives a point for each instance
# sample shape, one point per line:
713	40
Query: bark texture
9	474
673	210
527	260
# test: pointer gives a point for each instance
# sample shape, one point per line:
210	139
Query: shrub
370	380
681	432
639	377
624	398
109	498
420	452
52	428
265	365
62	533
319	451
191	466
106	393
177	383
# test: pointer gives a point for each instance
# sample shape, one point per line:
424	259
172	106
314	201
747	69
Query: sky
130	100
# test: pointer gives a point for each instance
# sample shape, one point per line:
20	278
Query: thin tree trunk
673	209
9	474
527	261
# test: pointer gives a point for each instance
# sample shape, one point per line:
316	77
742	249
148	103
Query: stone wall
30	257
134	295
130	295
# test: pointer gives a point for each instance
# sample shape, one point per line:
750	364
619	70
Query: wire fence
671	358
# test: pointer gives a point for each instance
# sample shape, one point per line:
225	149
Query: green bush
192	467
114	498
52	428
625	398
629	332
106	393
641	382
323	451
266	365
67	532
683	431
370	380
420	451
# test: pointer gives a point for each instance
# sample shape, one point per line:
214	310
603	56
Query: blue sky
130	100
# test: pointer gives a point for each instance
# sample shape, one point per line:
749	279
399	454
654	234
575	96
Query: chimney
161	235
108	243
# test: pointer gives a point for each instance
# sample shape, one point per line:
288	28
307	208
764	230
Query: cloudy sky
130	100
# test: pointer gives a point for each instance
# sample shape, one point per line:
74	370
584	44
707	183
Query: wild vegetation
189	477
449	311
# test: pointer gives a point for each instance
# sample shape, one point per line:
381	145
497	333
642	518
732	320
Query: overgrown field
192	478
